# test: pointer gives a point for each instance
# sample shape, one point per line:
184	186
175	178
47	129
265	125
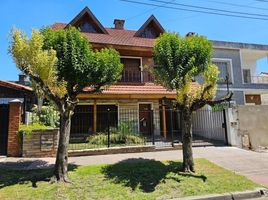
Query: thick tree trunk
61	165
188	161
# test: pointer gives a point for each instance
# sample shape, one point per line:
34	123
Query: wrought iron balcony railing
136	76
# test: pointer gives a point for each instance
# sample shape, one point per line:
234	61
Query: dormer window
85	21
150	29
149	32
87	27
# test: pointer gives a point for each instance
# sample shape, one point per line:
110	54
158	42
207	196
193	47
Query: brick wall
13	146
40	143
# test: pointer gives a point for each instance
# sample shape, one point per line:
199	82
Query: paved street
251	164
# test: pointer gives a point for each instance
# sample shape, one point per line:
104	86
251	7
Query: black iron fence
110	127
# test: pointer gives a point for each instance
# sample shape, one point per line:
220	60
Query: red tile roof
15	86
144	89
114	37
58	25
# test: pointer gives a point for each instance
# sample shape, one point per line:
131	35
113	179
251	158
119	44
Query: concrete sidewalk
254	165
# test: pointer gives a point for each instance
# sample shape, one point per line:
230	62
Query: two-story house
136	90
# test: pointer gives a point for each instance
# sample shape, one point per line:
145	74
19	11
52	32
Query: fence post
171	127
152	125
225	127
108	121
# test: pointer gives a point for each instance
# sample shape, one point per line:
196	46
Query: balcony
136	76
256	80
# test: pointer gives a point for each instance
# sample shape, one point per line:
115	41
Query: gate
4	115
209	127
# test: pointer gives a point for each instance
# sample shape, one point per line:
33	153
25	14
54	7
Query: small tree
62	63
179	60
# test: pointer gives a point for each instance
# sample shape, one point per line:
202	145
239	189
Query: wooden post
95	116
164	122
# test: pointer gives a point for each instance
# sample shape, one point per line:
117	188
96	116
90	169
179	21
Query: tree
179	61
62	63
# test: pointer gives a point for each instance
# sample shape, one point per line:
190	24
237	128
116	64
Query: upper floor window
149	32
225	69
246	75
87	27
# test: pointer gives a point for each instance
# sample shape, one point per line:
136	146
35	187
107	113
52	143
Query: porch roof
138	88
15	86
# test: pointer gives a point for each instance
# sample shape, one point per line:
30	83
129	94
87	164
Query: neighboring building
21	90
136	90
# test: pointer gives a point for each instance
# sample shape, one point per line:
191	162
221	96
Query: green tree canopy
177	57
78	64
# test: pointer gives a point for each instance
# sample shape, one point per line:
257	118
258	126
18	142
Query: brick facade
13	146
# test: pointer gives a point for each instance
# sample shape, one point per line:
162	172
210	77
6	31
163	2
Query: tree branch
45	88
201	102
228	97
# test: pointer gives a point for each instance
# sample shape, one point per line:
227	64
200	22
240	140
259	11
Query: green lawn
147	179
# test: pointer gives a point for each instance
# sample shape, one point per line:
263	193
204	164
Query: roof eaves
15	86
239	45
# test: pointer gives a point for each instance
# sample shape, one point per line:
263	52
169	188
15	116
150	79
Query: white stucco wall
248	126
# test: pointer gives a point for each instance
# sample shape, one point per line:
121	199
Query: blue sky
28	14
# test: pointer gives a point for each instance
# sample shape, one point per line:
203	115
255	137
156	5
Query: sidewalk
248	163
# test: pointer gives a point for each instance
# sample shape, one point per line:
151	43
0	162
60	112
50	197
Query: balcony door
132	71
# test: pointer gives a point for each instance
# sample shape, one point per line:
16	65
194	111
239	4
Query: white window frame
229	66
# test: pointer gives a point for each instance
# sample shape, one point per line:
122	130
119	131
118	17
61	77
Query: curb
258	193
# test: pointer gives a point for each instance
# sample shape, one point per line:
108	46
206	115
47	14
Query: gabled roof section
87	16
150	29
15	86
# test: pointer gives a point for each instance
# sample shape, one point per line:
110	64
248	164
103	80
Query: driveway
254	165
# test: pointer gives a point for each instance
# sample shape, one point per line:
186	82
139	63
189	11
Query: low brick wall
111	150
41	143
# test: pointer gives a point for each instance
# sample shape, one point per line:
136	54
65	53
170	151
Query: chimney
191	34
22	79
119	24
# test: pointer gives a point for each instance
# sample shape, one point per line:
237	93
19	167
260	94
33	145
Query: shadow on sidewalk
145	174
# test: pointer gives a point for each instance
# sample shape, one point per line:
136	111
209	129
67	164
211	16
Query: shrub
28	129
48	116
116	138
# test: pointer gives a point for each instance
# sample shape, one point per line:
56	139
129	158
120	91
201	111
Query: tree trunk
61	165
188	161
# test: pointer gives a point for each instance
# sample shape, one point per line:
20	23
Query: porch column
95	116
13	145
164	122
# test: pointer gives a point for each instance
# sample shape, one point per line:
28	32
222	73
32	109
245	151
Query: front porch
103	123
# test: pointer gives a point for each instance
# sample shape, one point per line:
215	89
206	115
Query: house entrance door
145	121
4	114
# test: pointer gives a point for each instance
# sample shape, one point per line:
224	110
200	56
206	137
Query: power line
210	9
149	10
236	5
198	11
262	1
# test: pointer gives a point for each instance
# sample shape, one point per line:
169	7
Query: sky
28	14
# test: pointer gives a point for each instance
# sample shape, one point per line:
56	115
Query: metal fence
127	127
51	119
